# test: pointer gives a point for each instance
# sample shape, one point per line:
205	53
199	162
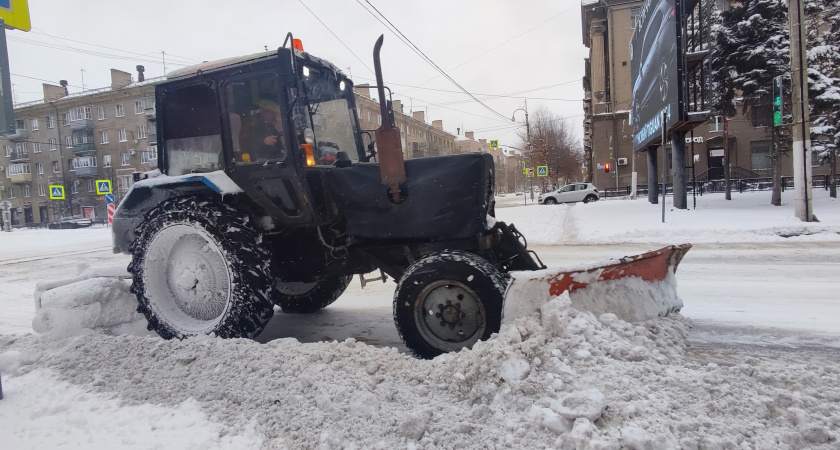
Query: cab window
255	120
192	130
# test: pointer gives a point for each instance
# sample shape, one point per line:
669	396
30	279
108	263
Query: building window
20	124
36	147
141	132
12	192
56	167
369	116
34	124
8	151
74	187
91	185
634	17
80	113
153	152
53	144
71	166
120	110
760	155
65	118
716	124
122	135
138	107
378	119
40	168
27	191
359	113
100	113
42	190
68	141
762	115
50	122
125	183
84	161
144	157
103	137
125	159
106	160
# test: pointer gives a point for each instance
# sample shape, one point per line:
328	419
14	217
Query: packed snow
81	371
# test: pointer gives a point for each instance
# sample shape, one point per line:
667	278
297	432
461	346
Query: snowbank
748	217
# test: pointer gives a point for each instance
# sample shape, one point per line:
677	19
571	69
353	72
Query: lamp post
528	138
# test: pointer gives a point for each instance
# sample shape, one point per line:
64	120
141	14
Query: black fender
146	194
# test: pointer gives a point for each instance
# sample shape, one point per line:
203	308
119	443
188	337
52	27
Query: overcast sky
518	49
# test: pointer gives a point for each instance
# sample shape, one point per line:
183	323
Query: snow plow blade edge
635	288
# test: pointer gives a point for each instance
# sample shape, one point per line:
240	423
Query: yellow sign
103	187
15	13
56	192
524	170
494	144
530	173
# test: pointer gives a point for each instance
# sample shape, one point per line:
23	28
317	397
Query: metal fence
715	186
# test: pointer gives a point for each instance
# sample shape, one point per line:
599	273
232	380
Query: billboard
654	69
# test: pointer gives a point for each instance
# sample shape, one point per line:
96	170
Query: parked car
66	223
576	192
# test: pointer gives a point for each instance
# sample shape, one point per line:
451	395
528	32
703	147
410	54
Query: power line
391	27
86	52
193	61
501	44
335	36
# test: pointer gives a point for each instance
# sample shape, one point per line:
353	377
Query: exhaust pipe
389	147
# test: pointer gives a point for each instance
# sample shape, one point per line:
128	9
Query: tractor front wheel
448	301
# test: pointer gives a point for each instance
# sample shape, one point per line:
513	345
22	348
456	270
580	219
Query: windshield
325	109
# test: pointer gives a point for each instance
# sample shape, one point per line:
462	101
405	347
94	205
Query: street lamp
528	138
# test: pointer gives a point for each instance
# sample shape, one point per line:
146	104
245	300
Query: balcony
152	138
19	157
21	178
86	172
19	173
81	124
21	134
84	148
151	114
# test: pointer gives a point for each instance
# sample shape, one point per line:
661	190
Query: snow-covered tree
762	52
722	78
824	80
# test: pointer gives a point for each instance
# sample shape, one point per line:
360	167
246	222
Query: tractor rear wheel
448	301
198	268
305	298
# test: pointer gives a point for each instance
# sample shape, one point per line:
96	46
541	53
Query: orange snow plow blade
635	288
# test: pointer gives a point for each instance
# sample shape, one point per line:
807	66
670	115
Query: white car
570	193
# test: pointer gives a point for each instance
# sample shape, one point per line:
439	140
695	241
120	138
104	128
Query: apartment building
418	138
608	26
74	140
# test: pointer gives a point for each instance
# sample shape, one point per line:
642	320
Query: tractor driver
264	138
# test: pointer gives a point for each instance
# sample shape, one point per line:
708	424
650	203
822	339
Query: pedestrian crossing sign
56	192
542	171
494	144
15	14
103	187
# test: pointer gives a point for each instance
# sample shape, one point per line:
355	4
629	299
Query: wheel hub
449	313
187	279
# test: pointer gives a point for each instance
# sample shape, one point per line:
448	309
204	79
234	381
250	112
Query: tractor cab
274	122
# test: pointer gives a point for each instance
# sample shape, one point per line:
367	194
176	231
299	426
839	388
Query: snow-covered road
758	365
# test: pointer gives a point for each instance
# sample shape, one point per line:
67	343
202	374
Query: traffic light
777	101
606	167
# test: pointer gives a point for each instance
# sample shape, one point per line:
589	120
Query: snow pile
748	217
102	305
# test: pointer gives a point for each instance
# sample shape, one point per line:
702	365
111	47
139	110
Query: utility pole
64	181
528	138
802	191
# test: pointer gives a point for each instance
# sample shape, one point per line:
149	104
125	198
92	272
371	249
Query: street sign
112	208
109	198
542	171
56	192
103	187
530	173
494	144
524	170
16	14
